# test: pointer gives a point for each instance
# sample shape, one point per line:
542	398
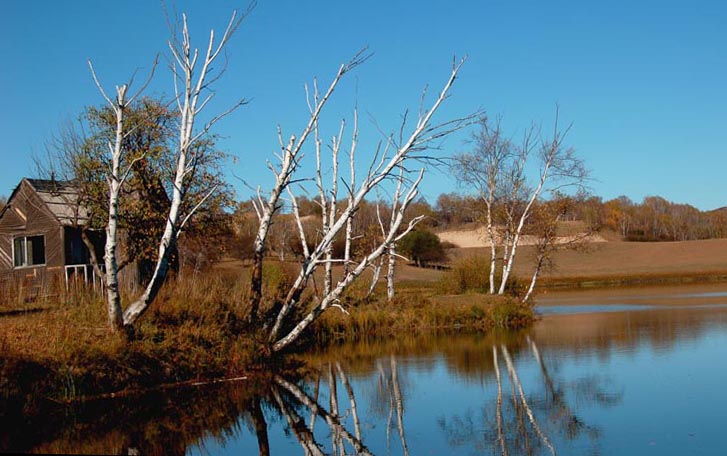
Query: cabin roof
60	197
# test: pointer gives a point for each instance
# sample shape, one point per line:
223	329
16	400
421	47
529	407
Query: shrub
472	274
422	246
511	314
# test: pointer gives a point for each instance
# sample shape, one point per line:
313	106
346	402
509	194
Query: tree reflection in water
511	394
292	400
526	423
211	420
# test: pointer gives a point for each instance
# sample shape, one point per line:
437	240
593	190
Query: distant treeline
654	219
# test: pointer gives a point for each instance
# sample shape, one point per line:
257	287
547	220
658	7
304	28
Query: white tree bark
482	169
549	156
351	188
190	104
376	274
380	169
390	290
333	296
290	158
113	297
521	223
116	180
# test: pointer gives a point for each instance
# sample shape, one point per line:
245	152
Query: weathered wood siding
28	216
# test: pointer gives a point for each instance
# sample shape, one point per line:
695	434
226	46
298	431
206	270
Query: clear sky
644	83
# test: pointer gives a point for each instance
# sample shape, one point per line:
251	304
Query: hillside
617	258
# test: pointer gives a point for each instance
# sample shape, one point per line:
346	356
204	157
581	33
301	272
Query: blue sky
644	83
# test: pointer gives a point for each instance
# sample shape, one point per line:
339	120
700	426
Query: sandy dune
478	238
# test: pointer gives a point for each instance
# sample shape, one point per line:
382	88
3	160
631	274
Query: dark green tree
422	246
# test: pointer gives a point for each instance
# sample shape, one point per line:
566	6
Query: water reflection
560	388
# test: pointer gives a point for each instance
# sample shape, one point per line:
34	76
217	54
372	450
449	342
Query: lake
610	373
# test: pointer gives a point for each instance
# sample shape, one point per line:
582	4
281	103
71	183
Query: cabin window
29	251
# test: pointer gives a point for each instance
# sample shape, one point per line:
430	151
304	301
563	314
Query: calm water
617	375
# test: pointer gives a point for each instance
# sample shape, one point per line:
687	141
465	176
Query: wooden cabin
40	234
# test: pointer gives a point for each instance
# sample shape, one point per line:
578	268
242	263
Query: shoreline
630	280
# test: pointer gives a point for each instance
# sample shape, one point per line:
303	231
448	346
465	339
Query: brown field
618	259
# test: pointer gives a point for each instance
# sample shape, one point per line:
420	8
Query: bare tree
482	170
116	178
388	161
289	160
193	76
543	225
560	168
497	168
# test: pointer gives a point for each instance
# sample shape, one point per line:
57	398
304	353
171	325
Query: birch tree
543	225
482	169
559	169
193	77
116	177
498	169
388	161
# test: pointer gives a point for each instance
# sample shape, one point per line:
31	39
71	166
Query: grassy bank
631	280
59	349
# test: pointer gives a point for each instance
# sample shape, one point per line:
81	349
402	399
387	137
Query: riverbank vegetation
58	347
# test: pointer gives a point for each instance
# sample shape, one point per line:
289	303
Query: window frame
26	264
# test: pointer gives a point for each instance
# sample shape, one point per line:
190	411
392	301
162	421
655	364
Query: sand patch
478	238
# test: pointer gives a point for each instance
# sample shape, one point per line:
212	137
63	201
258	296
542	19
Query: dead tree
190	101
560	168
482	169
389	159
289	160
119	169
193	77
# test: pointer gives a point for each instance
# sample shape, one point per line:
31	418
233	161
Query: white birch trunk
115	183
523	217
390	291
375	279
351	189
333	296
493	247
417	140
534	279
189	104
113	297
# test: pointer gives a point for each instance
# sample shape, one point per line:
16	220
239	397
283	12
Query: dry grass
624	263
60	347
194	331
414	313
